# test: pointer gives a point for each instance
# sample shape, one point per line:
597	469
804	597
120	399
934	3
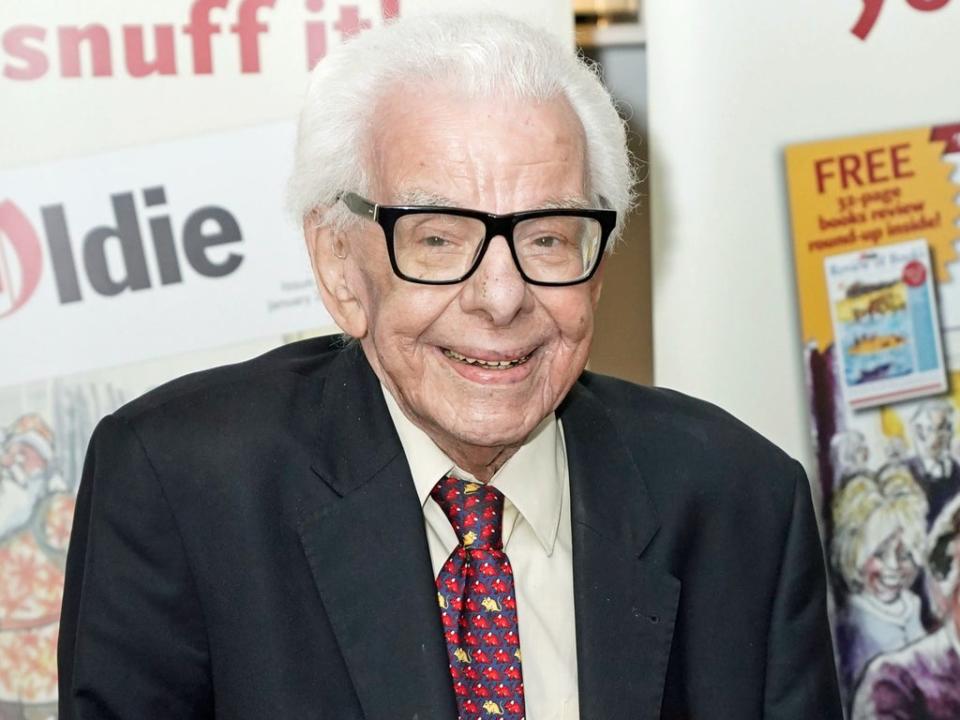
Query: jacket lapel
364	539
625	603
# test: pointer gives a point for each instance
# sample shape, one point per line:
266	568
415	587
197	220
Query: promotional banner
875	221
184	245
145	153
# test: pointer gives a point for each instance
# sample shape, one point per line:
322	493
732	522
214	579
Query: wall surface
623	342
732	84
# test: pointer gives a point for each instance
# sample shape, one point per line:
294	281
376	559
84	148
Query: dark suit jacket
249	544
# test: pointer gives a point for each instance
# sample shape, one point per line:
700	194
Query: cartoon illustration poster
886	331
44	430
875	220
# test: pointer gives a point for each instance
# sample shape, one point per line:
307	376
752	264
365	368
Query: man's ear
329	258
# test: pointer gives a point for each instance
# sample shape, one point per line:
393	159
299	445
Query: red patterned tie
478	606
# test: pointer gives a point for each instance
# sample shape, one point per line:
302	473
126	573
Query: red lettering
200	31
390	8
164	61
150	50
97	38
927	5
874	165
850	170
316	42
872	8
949	134
350	23
316	36
248	30
16	43
819	167
868	18
899	160
23	240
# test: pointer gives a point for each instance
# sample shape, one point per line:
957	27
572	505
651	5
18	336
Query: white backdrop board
143	159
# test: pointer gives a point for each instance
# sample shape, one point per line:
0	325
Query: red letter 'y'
871	11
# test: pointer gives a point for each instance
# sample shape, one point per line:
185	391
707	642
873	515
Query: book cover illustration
884	312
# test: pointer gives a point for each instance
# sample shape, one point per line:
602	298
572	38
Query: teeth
491	364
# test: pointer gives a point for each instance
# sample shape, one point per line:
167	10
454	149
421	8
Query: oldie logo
21	259
112	259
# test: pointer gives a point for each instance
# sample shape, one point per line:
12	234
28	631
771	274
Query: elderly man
445	517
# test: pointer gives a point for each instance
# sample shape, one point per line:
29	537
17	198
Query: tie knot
475	511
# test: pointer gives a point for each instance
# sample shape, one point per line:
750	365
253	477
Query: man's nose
496	288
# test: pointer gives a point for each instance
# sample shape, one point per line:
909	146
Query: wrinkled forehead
432	144
417	196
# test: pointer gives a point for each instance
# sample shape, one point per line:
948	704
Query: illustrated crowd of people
36	511
894	546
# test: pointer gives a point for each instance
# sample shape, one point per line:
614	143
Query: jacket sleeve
801	680
132	638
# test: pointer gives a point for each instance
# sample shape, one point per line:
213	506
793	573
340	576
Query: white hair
480	56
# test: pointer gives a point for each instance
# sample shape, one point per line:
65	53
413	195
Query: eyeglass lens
439	247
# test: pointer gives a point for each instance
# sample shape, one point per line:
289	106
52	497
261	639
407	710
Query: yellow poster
875	221
864	192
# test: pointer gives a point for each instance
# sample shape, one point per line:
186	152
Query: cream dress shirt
536	539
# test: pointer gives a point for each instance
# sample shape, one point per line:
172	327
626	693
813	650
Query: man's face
498	156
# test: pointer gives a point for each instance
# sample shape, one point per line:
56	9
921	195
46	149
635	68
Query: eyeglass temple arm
359	206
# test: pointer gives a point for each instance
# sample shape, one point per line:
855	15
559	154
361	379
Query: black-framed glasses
445	245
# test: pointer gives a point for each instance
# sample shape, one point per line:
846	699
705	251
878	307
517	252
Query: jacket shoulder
696	446
237	383
655	411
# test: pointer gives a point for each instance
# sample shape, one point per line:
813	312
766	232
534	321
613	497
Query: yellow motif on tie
461	655
469	538
490	605
517	654
492	708
470	488
442	601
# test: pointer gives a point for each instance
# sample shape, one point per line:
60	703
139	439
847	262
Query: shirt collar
532	479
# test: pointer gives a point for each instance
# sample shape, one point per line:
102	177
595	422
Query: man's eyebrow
423	197
569	202
416	196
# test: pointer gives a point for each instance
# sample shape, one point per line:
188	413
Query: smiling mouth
486	364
